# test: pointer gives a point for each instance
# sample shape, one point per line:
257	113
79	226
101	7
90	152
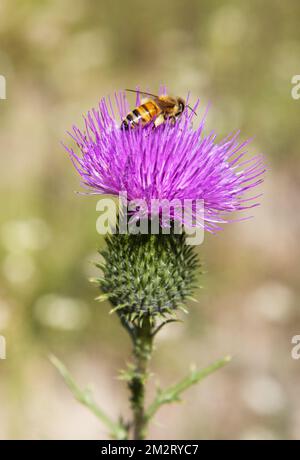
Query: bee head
181	105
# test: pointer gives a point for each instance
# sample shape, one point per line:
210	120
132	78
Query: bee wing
145	99
165	104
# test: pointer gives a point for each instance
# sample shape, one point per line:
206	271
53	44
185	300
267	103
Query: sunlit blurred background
59	58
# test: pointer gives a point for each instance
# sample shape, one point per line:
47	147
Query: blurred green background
59	58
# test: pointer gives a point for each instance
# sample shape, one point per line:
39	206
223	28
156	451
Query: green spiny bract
148	275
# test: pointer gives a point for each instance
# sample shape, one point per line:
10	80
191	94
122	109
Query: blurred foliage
59	58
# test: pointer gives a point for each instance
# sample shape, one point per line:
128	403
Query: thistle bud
148	274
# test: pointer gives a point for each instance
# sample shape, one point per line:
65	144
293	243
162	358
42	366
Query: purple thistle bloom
168	162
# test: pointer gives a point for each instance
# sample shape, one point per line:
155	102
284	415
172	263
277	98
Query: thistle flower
150	276
166	163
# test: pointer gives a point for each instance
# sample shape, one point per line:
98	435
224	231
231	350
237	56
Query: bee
157	109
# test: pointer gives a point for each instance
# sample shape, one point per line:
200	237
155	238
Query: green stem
142	350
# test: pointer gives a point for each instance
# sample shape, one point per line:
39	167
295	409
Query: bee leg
159	120
124	125
173	120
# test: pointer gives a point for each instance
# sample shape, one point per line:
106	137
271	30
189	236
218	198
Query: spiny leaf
172	394
84	396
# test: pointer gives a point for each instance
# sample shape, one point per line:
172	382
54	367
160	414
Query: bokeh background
59	58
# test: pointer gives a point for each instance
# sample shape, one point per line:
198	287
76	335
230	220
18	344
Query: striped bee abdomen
144	114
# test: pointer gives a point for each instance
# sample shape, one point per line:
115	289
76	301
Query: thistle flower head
166	163
155	274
